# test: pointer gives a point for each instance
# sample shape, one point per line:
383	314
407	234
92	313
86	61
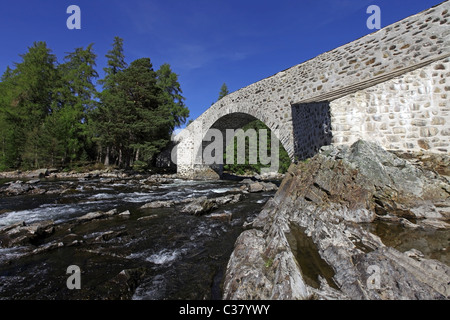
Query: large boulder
314	239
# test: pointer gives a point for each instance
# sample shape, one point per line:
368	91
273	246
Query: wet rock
106	236
125	213
158	204
48	247
269	186
332	199
17	188
272	176
247	181
37	191
202	205
153	216
224	216
97	215
40	173
157	179
256	187
23	234
232	198
205	174
123	285
199	206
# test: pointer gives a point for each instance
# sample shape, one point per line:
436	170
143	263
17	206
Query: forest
61	114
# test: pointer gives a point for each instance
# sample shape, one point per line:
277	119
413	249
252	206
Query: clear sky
207	42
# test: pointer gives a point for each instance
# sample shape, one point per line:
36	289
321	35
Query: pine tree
173	100
73	99
144	117
223	91
26	101
104	117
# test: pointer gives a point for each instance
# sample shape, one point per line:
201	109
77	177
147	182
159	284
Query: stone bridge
391	86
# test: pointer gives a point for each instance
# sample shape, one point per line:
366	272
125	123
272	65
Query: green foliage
248	168
26	97
223	91
52	115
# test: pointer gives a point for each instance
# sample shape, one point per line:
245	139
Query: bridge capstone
391	87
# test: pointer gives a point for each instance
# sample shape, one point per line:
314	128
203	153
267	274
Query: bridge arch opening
241	143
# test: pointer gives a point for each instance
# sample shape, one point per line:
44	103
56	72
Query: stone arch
241	112
228	119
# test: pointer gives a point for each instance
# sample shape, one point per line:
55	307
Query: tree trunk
137	155
107	157
120	158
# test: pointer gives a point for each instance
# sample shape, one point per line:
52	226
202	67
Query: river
152	254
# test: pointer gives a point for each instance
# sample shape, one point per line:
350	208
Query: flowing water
150	254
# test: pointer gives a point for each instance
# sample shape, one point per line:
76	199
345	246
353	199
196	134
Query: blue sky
207	42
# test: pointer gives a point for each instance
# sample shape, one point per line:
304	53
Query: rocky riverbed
133	236
351	223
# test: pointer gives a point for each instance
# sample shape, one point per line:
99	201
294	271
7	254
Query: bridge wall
346	86
410	112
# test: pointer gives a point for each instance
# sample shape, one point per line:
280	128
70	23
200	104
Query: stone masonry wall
410	44
312	128
410	112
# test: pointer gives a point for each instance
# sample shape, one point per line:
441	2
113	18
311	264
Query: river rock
205	173
257	186
123	285
203	205
17	188
97	215
106	236
40	173
125	213
34	181
199	206
22	234
311	240
159	204
223	216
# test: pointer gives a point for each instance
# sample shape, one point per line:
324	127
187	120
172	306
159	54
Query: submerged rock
311	241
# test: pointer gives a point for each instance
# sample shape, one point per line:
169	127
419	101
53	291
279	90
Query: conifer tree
104	117
223	91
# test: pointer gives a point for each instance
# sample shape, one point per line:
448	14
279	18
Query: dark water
167	254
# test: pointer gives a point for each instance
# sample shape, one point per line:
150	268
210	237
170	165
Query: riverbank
353	222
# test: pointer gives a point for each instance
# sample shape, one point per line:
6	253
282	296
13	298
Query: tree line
53	115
